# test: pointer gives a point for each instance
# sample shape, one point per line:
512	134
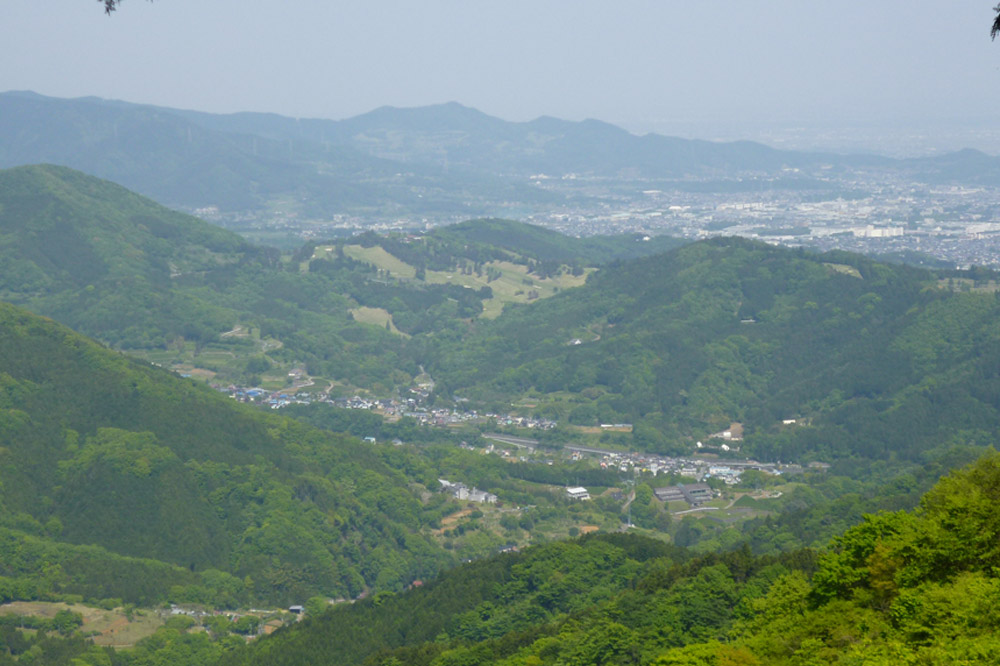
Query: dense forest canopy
149	465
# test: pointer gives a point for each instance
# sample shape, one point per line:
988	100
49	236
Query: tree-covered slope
911	588
515	593
869	359
60	228
96	448
119	267
547	246
158	154
103	259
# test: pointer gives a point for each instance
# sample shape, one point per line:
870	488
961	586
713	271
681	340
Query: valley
489	441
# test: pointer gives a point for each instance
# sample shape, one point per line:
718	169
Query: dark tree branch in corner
111	5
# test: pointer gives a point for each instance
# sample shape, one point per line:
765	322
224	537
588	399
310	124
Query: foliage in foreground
899	588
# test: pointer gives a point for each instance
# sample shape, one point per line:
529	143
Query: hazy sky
692	66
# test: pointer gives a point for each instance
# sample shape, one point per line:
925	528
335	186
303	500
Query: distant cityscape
956	225
870	212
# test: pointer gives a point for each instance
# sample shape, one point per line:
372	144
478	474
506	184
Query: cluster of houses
694	468
357	402
462	492
390	407
259	396
412	408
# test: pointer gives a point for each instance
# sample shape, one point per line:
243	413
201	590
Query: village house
462	492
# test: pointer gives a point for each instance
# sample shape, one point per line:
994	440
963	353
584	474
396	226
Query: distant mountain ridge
451	134
441	158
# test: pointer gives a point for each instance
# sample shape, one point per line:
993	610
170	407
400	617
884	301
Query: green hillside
545	245
482	264
913	588
107	261
117	266
868	359
61	228
96	448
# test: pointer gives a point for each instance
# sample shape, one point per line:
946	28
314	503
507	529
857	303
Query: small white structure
578	492
463	493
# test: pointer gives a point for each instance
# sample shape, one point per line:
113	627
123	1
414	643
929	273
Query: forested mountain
444	159
100	449
898	588
164	155
551	247
869	359
103	259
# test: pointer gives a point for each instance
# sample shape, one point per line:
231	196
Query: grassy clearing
223	359
845	269
755	504
378	257
120	633
112	627
513	286
376	316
